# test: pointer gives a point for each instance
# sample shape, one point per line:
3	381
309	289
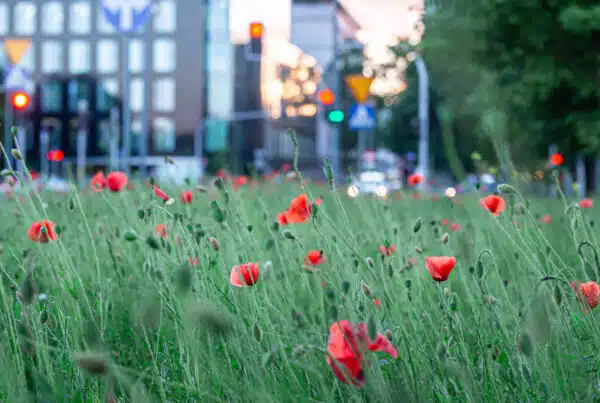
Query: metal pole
423	166
144	115
44	149
22	142
199	145
552	149
8	121
82	143
362	138
335	131
113	150
581	177
126	130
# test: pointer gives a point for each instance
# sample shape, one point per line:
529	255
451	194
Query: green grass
493	332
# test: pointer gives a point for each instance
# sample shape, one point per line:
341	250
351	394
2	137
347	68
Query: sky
382	20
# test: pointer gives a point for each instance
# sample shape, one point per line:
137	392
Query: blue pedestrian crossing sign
127	15
362	117
17	79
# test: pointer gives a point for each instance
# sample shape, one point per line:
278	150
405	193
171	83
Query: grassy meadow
115	310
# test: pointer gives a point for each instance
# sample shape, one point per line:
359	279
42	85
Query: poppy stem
580	253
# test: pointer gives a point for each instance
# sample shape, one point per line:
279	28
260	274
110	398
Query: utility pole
423	165
335	88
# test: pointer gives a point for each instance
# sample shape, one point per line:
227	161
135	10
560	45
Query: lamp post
82	130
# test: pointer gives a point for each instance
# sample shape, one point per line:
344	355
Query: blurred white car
373	183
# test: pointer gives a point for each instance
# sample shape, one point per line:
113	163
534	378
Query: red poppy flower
377	302
435	198
440	266
547	219
98	182
590	291
241	180
416	196
388	251
347	342
415	179
221	173
34	175
160	194
314	258
161	230
37	234
455	227
556	159
116	181
586	203
494	204
194	261
286	167
445	221
186	197
282	218
300	210
244	275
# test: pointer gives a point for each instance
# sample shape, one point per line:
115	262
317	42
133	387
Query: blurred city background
448	89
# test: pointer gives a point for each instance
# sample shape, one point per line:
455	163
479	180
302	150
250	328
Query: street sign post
126	16
362	116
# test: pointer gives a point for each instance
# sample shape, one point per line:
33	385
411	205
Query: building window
51	99
104	26
164	95
52	57
137	95
107	56
79	57
80	17
78	90
55	132
52	18
163	58
106	94
3	19
137	55
164	134
103	135
24	18
136	136
165	18
28	59
3	56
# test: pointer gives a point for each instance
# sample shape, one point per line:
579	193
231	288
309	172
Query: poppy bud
130	235
479	269
201	188
332	313
219	184
445	238
369	261
442	351
152	242
345	286
390	270
388	334
446	292
7	173
16	154
269	243
257	332
417	225
519	209
267	269
92	363
214	243
289	235
44	316
418	250
170	202
366	290
328	171
506	189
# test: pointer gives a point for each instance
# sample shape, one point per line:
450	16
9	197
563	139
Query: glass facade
219	75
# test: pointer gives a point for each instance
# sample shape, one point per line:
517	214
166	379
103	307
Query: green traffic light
336	116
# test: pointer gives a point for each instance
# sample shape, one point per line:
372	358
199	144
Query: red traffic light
326	96
20	100
556	159
256	30
55	155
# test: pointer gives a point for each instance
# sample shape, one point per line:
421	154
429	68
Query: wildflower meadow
279	289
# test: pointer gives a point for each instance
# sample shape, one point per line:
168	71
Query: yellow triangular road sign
16	48
360	86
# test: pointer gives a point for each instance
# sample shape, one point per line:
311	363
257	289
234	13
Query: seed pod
345	287
214	243
257	332
16	154
130	235
418	250
141	214
479	269
417	225
444	238
366	290
506	189
269	243
289	234
152	242
369	261
389	334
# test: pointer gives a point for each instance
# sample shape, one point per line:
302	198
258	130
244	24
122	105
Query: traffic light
255	44
326	97
336	116
20	100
